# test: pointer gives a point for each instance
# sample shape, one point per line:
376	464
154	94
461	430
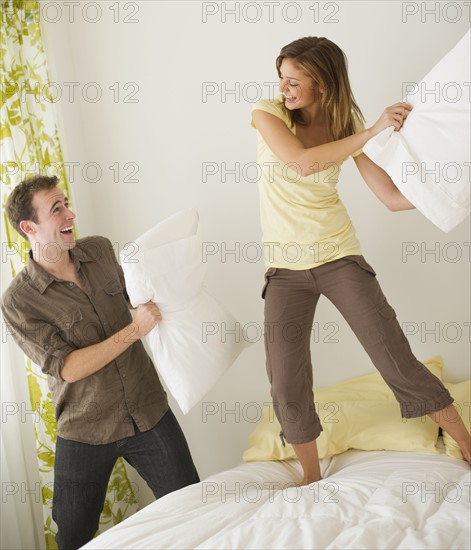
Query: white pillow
190	351
429	158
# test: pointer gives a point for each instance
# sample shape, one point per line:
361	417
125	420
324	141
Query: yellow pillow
372	386
360	413
461	393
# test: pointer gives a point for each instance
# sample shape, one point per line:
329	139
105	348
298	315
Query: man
68	311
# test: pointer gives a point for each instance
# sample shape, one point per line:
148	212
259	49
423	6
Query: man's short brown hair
19	204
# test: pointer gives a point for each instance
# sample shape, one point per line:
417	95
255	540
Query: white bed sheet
366	500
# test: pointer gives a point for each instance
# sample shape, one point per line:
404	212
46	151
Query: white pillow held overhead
189	346
429	158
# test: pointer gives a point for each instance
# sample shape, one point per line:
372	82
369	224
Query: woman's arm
381	184
310	160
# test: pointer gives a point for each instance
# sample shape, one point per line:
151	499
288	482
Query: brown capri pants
350	284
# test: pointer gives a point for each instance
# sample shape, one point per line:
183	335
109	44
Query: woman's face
298	89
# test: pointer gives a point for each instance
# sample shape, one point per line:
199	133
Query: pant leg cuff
300	439
415	409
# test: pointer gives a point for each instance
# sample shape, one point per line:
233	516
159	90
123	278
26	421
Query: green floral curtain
29	143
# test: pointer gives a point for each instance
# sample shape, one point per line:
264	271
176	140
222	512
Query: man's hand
146	318
83	362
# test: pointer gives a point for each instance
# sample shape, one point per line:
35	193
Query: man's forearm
86	361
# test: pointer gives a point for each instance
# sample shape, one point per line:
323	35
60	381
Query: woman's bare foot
309	480
451	422
466	451
309	459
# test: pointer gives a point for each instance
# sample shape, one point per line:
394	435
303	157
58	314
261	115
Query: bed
366	499
386	483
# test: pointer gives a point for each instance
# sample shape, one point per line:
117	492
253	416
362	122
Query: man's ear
28	227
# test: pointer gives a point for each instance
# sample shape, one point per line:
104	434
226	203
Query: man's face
54	221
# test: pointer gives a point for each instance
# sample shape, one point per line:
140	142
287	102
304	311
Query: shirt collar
41	278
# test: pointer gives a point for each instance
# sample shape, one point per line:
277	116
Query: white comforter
366	499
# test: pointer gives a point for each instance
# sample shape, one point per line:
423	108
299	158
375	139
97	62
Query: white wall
169	54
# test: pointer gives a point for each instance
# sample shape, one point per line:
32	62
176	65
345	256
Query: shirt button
105	323
46	346
124	375
71	284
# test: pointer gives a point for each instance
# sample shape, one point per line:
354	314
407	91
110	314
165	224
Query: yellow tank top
304	222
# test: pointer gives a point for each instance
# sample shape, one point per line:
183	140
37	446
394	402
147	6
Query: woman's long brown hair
326	64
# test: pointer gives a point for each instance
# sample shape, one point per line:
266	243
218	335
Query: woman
311	248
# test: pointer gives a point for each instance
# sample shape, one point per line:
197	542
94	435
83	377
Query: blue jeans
82	472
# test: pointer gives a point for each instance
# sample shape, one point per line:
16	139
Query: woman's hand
392	116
